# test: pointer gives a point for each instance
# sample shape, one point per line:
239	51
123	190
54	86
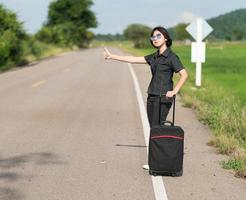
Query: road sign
198	52
199	29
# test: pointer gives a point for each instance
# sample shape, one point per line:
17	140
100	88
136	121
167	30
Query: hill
229	26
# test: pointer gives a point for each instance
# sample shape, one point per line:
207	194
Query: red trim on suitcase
167	136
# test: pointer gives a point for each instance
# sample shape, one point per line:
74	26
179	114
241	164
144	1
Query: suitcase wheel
180	173
177	174
153	173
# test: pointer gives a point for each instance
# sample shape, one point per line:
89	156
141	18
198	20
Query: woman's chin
158	46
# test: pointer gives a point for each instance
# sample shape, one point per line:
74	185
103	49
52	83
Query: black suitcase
166	147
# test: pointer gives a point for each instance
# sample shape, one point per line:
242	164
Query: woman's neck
162	49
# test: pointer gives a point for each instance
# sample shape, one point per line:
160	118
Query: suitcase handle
172	123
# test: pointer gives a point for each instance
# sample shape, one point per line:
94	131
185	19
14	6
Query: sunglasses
155	37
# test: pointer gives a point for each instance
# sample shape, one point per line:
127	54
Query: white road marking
67	70
158	185
38	83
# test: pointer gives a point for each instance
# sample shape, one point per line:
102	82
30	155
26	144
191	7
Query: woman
164	62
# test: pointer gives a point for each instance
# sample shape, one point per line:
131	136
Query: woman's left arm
183	77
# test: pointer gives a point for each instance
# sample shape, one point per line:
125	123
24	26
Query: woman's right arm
129	59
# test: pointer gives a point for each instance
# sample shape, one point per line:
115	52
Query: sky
114	16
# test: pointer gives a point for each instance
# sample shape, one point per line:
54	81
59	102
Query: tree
109	37
12	36
139	34
180	32
238	34
68	21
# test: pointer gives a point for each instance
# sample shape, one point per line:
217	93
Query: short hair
164	32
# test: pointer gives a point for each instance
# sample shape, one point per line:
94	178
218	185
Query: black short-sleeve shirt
162	67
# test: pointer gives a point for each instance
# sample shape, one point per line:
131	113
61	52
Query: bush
12	37
65	35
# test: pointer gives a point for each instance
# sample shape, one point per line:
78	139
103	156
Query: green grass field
225	66
221	101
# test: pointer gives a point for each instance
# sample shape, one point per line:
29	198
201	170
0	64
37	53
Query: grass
225	66
221	101
45	51
237	164
50	50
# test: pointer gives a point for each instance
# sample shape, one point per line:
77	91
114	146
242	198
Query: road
71	129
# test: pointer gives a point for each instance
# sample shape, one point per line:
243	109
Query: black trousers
157	109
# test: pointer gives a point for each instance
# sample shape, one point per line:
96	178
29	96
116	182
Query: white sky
113	16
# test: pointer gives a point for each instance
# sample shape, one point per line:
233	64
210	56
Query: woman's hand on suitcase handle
170	94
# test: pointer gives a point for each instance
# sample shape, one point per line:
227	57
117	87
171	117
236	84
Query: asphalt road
70	129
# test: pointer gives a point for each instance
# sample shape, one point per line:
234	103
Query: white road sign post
199	29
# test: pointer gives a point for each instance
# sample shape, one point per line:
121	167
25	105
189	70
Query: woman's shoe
146	167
